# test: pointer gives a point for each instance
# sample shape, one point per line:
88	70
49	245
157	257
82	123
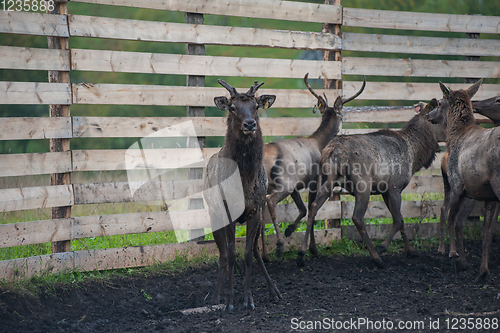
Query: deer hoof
266	259
380	249
301	259
314	251
229	307
279	249
379	263
289	231
482	277
453	254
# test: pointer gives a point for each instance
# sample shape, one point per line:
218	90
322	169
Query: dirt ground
329	289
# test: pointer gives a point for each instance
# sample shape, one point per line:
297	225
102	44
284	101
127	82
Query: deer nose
249	125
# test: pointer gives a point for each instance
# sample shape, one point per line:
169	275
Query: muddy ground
330	288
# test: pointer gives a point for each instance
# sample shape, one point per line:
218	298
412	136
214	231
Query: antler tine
231	89
309	87
253	89
358	93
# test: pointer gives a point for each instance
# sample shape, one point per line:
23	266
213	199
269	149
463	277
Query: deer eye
497	101
231	108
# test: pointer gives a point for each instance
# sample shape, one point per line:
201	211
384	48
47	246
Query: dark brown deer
241	153
473	169
383	163
293	164
490	108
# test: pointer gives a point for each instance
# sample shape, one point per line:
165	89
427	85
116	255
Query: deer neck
460	118
329	127
245	150
421	140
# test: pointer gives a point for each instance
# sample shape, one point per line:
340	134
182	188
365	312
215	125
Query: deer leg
444	213
393	203
456	198
464	211
265	256
231	256
272	200
487	232
220	240
312	245
358	217
302	212
273	291
315	206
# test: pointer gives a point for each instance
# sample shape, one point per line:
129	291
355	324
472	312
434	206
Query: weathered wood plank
24	233
35	93
424	68
278	10
378	209
385	19
36	59
140	159
102	27
35	197
27	23
425	184
419	45
34	164
412	91
92	193
121	94
34	128
159	63
92	260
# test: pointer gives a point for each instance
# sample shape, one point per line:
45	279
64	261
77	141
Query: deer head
322	104
243	107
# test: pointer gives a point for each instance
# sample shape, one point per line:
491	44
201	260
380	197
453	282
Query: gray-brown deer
242	152
383	163
473	169
292	165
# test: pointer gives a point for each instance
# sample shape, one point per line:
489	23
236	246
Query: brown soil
329	288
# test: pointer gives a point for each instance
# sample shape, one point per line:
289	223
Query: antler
231	89
253	89
321	101
358	93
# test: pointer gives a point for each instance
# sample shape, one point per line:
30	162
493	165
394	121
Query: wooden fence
370	54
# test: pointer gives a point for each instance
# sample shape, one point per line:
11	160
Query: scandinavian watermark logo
156	163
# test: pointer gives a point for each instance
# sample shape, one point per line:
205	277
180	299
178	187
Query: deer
490	108
472	170
242	153
381	162
292	165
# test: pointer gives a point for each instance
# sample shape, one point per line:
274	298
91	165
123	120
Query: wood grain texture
26	23
24	128
12	57
35	93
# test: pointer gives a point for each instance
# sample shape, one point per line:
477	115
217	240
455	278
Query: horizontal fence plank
103	27
378	209
278	10
120	94
386	19
420	45
35	197
179	64
26	23
35	93
24	233
116	127
114	258
34	164
95	160
35	59
423	68
412	91
25	128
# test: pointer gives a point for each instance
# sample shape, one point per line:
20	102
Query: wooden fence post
195	111
60	145
332	84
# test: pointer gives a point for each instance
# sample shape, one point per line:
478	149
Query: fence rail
387	55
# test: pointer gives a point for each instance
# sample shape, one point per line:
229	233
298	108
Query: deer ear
222	103
472	90
338	104
265	101
444	89
432	104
